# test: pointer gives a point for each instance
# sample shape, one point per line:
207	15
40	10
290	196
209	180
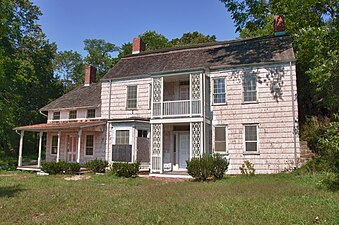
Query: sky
69	22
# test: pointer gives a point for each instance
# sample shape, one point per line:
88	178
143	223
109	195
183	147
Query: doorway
71	148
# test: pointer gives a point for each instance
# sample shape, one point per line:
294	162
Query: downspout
293	114
43	113
108	122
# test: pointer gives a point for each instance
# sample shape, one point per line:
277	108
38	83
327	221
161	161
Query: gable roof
82	96
227	53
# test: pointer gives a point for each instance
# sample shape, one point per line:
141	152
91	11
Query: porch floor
29	168
172	174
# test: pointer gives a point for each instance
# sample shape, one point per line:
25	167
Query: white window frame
129	136
76	114
53	116
90	117
51	145
213	93
136	97
244	138
226	138
243	89
85	147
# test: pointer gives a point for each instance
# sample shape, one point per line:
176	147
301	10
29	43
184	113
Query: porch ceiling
60	126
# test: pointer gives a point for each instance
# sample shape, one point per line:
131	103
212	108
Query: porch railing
177	108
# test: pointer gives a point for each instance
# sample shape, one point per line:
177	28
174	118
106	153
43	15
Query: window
122	137
142	133
54	144
219	94
220	142
131	97
56	115
91	113
89	144
250	88
251	138
72	114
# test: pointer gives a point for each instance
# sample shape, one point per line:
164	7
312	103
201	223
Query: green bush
51	167
97	165
125	169
329	182
69	168
60	167
247	168
206	167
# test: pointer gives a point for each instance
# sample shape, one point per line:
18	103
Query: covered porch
64	141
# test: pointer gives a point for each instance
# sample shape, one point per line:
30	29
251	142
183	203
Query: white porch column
79	147
20	148
40	146
58	149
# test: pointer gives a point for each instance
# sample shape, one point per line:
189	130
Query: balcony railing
177	108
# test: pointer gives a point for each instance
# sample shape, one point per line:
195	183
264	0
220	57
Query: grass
264	199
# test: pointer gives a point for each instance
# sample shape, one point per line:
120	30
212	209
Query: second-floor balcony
179	96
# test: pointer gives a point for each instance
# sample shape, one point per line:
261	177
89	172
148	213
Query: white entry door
184	150
72	148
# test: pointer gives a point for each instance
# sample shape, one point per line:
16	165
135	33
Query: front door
183	150
71	148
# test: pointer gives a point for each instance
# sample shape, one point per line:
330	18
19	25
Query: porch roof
60	126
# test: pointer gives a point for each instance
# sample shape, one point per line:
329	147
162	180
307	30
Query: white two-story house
164	107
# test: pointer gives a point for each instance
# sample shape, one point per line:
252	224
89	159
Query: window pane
91	113
89	144
220	146
73	114
220	134
122	137
56	116
251	146
131	96
54	147
250	133
219	90
250	88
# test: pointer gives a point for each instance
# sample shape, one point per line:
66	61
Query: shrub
125	169
60	167
329	182
247	168
207	166
70	168
51	167
97	165
220	166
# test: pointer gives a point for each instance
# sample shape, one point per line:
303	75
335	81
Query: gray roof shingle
227	53
82	96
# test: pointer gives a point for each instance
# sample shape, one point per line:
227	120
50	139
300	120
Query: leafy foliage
60	167
247	168
125	169
97	165
192	38
26	72
207	166
99	55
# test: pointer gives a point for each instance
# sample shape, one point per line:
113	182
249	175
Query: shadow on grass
10	191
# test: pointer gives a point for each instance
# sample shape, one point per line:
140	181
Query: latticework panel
196	86
156	148
196	139
157	89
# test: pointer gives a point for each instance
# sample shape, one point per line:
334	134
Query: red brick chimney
279	25
90	75
138	46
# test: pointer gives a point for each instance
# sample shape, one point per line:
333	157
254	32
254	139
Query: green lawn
266	199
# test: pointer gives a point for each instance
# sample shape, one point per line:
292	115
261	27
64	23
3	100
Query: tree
313	25
99	55
192	38
26	71
69	66
154	41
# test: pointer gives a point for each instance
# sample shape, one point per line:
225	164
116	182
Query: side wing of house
254	112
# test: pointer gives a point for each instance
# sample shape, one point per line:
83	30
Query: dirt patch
166	179
9	174
78	177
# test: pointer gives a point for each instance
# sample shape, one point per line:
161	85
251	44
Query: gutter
294	120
